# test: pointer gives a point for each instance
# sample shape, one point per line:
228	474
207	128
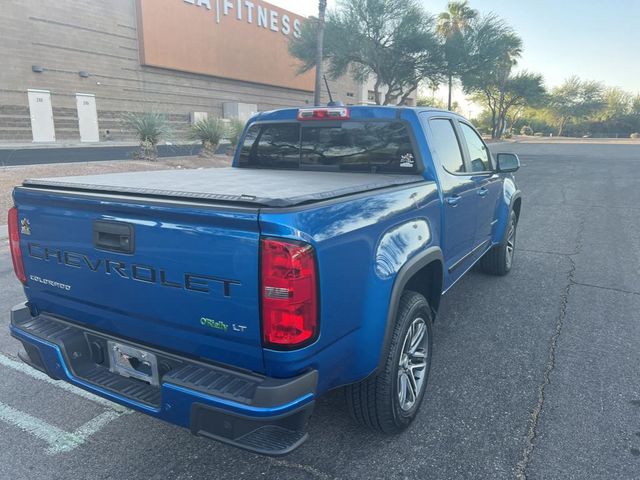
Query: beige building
72	68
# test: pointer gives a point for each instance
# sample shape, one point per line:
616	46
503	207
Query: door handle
453	200
483	192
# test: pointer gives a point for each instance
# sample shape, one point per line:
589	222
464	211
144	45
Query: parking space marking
58	440
22	367
33	425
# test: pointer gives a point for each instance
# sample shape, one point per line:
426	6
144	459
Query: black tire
499	260
376	401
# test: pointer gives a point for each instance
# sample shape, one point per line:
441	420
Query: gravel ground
12	176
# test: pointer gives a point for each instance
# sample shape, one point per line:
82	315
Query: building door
87	117
41	113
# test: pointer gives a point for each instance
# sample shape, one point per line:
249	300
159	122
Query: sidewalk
576	140
102	144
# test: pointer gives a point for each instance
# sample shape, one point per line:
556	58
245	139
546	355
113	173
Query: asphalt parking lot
535	375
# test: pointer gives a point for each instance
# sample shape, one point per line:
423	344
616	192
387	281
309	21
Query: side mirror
508	162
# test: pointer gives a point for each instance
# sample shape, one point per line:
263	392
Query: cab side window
445	143
478	152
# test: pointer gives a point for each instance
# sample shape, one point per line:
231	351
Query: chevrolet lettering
141	273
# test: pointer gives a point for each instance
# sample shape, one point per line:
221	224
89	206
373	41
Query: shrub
635	135
150	128
526	130
236	126
208	131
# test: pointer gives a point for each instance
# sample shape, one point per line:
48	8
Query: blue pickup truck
228	300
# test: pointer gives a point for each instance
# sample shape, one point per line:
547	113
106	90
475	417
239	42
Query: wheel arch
517	205
423	274
512	202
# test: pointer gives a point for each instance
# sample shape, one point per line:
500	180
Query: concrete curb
44	146
104	144
4	232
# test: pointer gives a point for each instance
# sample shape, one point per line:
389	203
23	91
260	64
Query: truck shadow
490	346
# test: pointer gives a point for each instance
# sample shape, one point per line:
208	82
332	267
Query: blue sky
594	40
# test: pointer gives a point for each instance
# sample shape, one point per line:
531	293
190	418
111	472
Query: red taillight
324	114
14	245
289	294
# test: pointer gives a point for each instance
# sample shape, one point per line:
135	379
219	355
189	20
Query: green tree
393	41
617	104
635	105
493	51
524	89
506	100
437	103
575	100
538	118
453	26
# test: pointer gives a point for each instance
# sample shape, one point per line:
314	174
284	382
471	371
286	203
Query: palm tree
457	18
452	26
322	9
494	49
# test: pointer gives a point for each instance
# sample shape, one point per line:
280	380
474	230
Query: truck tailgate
179	277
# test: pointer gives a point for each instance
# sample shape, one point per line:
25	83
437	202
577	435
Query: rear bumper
260	414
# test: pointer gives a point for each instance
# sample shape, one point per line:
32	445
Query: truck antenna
328	90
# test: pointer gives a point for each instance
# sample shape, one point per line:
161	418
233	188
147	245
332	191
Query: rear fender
406	273
510	196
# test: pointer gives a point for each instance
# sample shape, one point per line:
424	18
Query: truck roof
358	112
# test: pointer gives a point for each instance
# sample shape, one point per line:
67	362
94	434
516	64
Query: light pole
322	8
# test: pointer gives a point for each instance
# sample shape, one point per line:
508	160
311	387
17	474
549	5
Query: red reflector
324	114
289	294
14	245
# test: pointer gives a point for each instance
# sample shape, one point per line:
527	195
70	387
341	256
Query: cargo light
289	294
324	114
14	244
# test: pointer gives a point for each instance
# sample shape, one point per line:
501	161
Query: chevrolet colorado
227	300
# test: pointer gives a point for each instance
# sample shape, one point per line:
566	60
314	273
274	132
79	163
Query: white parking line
33	425
58	440
32	372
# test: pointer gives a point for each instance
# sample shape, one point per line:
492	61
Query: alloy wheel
511	243
412	366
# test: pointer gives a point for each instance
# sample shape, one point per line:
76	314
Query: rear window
383	147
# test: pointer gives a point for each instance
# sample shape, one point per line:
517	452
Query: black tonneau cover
269	188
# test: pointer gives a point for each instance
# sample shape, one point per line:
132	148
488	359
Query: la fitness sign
243	40
253	13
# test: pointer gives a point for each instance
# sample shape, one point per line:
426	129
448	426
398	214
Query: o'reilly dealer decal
51	283
218	325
